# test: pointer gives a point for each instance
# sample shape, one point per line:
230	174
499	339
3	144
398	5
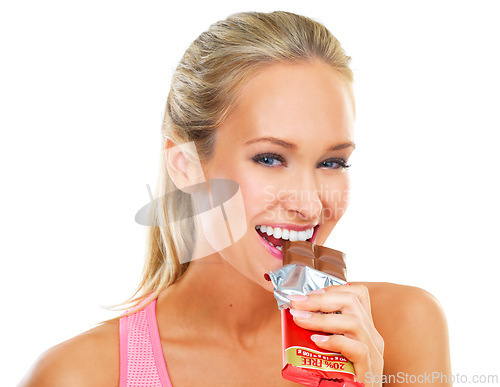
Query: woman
258	131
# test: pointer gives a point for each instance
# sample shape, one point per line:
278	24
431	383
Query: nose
304	198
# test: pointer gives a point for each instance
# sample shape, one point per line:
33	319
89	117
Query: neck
214	300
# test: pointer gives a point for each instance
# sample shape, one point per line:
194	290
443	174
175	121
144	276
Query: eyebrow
292	146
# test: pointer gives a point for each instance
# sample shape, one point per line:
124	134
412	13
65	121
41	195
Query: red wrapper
308	266
305	363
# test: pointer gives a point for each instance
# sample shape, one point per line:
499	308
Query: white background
83	88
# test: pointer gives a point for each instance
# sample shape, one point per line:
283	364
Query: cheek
252	186
254	197
336	199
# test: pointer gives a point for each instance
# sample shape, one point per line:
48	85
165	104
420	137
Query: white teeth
279	247
286	234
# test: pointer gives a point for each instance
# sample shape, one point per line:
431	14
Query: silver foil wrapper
298	279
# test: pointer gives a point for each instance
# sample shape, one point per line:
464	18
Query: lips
271	249
272	239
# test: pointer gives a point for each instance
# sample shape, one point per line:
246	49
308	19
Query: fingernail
300	313
317	291
319	338
297	297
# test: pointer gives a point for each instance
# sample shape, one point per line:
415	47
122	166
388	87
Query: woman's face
286	144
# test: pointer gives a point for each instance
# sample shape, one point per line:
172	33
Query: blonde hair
204	89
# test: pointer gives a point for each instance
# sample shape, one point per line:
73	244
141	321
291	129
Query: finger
327	302
357	319
330	302
349	325
335	298
360	291
355	351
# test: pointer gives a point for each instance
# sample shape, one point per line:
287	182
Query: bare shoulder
413	325
400	299
91	358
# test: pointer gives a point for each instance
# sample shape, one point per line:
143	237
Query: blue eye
340	162
266	158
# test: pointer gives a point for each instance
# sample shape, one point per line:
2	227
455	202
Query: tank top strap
141	355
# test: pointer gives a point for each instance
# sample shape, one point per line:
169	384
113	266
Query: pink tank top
141	356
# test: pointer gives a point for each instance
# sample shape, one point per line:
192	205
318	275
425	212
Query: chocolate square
318	257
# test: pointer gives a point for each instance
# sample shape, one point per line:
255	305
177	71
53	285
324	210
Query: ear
183	165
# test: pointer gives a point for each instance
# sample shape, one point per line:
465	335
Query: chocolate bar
308	267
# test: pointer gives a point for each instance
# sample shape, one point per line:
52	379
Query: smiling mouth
278	242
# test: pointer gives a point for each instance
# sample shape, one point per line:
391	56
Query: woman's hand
352	331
